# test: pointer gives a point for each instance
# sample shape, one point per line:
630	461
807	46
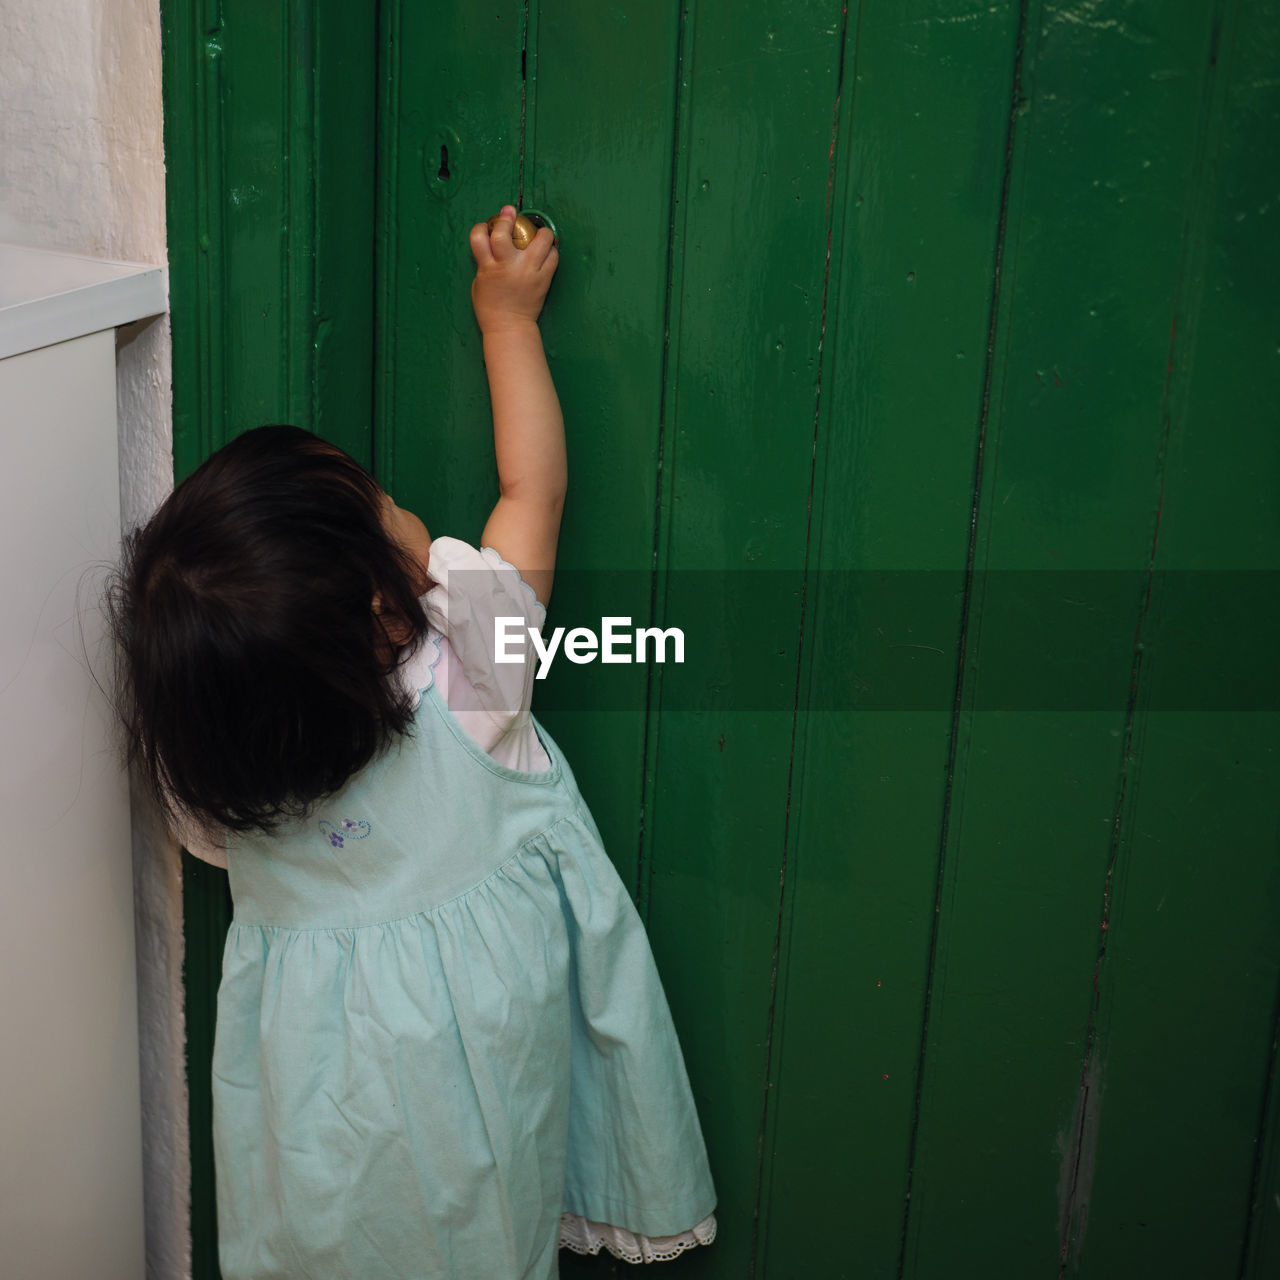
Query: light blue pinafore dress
440	1027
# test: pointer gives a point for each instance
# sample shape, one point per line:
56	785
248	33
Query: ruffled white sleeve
480	611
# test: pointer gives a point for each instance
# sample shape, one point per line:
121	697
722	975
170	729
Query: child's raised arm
528	428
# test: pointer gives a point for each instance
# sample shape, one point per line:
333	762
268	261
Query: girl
442	1046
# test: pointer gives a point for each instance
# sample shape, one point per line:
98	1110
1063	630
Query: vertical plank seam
666	404
1074	1212
313	156
1265	1150
315	153
201	61
191	442
386	181
214	432
299	264
527	20
771	1016
284	353
1017	107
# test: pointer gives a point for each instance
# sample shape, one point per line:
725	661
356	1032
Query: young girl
443	1049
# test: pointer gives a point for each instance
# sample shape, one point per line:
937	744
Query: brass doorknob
526	227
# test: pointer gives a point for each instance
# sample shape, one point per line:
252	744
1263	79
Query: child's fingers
500	242
541	246
481	249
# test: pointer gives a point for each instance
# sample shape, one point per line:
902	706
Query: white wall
82	169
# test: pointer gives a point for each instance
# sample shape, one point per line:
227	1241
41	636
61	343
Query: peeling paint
951	19
1078	1148
1085	14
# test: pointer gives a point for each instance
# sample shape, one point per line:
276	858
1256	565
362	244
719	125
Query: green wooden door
920	361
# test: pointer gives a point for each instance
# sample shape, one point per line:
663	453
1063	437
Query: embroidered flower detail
339	833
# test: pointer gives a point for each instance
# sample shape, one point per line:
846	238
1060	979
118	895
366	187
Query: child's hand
510	283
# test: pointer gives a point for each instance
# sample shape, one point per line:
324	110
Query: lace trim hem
415	678
582	1235
533	595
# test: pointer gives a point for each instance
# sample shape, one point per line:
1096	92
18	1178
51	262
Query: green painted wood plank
341	207
1069	478
269	117
751	228
452	106
254	189
1183	1037
924	113
191	47
598	158
295	183
1185	1029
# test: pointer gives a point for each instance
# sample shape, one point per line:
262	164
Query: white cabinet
70	1133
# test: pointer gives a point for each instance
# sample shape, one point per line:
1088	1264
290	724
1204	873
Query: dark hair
254	670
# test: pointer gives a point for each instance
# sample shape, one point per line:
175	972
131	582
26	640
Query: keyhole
443	172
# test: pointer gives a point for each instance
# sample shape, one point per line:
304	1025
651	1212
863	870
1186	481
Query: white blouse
490	699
